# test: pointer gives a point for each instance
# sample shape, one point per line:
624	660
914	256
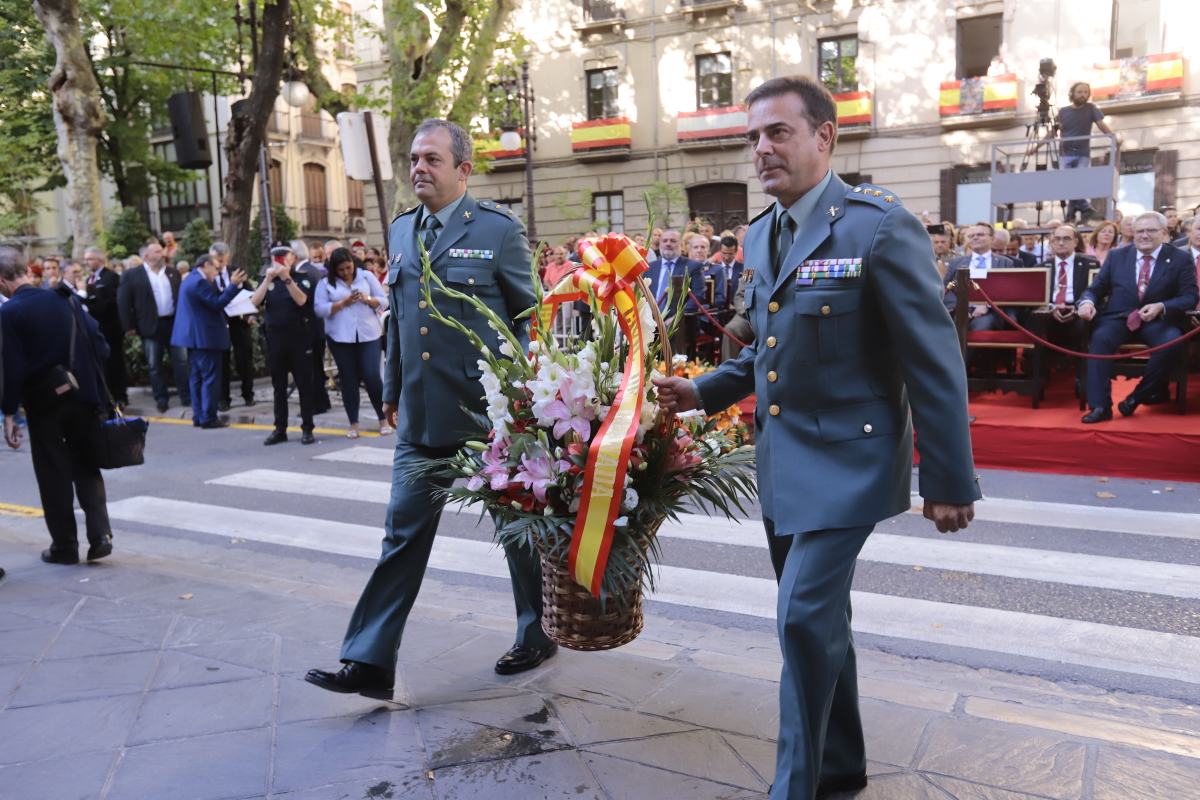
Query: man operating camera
1075	121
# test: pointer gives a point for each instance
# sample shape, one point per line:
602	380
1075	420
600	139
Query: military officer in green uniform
430	374
852	348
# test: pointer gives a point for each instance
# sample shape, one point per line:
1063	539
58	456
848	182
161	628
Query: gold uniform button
424	330
867	428
773	410
425	356
772	376
771	341
772	306
422	304
825	311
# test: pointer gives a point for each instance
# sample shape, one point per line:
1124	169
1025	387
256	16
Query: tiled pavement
173	671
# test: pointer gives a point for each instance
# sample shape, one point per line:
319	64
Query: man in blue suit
725	273
672	266
201	327
1143	289
430	376
852	336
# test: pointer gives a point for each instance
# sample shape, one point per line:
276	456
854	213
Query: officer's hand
949	517
12	433
676	394
389	414
238	277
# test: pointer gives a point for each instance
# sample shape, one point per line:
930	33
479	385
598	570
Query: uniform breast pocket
395	292
477	281
831	318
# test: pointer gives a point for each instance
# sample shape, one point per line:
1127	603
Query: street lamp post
520	89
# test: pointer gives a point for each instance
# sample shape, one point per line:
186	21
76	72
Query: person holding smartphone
349	299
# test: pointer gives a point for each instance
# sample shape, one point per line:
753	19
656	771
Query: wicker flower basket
573	619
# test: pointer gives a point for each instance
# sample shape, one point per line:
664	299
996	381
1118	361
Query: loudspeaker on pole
189	131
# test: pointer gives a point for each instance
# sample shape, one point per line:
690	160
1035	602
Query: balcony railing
277	123
1141	80
491	149
602	138
979	100
316	128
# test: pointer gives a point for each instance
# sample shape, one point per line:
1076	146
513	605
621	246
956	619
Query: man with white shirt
146	300
979	240
1143	290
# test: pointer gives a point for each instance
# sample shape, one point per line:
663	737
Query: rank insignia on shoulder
835	268
463	252
395	259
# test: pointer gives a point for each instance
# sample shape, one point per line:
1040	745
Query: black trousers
321	402
289	350
242	356
114	367
57	440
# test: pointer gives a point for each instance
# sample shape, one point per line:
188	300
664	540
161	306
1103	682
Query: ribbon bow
610	270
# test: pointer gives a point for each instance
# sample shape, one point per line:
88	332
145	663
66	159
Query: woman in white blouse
349	300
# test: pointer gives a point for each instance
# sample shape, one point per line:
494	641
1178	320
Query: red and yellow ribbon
611	267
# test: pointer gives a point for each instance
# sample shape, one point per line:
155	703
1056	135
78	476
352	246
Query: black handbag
113	440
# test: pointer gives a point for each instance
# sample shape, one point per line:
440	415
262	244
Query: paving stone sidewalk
173	671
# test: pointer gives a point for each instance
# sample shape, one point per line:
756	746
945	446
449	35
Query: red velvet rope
1066	351
713	320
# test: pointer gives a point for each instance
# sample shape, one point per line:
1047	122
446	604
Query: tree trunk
246	132
78	119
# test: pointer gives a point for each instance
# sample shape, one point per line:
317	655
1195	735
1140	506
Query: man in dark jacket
102	287
37	330
201	327
146	299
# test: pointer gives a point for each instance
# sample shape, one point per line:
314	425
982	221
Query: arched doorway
722	204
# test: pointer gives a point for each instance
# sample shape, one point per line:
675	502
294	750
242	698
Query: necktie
1143	277
980	263
664	278
220	281
787	235
1060	297
431	233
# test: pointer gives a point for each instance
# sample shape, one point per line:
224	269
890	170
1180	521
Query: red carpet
1156	443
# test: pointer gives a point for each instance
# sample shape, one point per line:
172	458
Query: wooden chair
1014	290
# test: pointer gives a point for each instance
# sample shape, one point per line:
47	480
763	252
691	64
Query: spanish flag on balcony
490	148
984	95
853	108
1131	77
600	133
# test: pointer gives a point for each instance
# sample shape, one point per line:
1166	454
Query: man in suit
200	327
146	300
480	248
1192	243
673	269
102	287
980	237
37	330
1142	290
1068	273
241	333
724	272
846	302
314	273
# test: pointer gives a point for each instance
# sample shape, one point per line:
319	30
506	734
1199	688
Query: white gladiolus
630	501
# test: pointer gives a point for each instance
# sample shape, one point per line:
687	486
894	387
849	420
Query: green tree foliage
286	229
28	162
195	241
126	233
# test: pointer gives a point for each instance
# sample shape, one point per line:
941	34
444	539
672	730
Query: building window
275	182
354	197
1137	28
973	194
714	80
180	203
316	207
608	212
602	93
596	10
978	45
839	63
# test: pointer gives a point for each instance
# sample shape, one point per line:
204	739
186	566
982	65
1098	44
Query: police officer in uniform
286	295
846	304
430	373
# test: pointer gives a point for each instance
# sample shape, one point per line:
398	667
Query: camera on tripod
1043	90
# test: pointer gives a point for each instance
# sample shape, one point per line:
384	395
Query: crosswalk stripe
1108	519
1133	650
1075	569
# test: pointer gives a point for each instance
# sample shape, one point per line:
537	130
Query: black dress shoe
519	659
1158	398
220	422
248	400
365	679
276	437
827	787
1127	406
52	556
224	405
162	408
100	549
308	438
1097	415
